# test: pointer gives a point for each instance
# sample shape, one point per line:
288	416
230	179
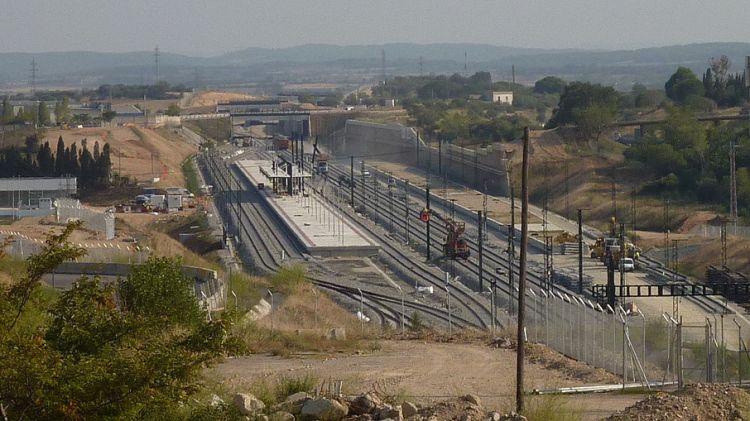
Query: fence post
680	378
739	352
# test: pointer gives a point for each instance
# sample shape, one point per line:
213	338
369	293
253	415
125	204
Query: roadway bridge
714	118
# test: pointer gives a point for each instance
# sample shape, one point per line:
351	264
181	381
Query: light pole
403	308
315	293
448	309
361	311
498	272
271	294
536	315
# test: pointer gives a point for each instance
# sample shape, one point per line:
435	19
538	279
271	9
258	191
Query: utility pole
733	184
351	181
406	207
633	214
440	156
522	280
723	242
512	247
622	256
580	251
567	191
666	233
427	199
480	243
614	196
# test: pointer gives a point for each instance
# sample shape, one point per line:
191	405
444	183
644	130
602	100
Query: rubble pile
696	402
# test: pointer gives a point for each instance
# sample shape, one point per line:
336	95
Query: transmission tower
156	63
33	76
421	66
466	63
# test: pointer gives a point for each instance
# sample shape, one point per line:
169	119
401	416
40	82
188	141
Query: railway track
405	264
265	254
492	257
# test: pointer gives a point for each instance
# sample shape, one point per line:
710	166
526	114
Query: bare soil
211	98
133	151
422	371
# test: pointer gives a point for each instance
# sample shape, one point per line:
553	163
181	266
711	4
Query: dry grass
293	327
709	253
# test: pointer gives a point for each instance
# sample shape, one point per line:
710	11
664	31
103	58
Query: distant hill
331	63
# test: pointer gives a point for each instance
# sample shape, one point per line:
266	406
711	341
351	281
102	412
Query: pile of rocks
365	407
694	402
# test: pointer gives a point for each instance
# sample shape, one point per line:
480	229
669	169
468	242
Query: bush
288	279
666	184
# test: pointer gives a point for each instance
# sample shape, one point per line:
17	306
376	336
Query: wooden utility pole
522	279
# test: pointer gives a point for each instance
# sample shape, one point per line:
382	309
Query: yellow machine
602	245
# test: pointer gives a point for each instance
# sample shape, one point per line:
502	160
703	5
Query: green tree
109	115
683	85
129	350
549	85
46	161
43	112
578	96
592	120
454	126
60	157
8	116
62	111
173	110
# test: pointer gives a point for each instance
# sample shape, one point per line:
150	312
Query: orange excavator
455	246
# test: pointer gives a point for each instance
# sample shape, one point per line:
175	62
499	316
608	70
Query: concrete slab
321	228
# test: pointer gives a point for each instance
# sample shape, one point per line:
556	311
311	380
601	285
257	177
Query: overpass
714	118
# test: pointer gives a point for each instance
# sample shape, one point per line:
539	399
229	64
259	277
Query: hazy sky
215	26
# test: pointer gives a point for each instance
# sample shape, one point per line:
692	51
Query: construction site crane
454	246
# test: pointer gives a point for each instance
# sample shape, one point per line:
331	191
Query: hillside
621	68
135	151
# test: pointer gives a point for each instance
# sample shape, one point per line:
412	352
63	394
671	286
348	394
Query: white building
505	97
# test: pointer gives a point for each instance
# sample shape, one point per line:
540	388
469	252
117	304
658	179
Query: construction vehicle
281	142
604	244
454	246
322	165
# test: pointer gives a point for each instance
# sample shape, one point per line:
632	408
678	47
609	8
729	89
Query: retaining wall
477	167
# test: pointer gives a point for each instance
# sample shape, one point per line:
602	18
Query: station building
35	192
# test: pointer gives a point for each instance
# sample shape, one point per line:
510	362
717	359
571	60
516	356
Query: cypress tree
73	165
60	158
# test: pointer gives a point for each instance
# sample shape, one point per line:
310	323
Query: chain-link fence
104	222
643	348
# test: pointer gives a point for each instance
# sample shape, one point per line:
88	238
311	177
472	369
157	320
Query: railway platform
318	226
